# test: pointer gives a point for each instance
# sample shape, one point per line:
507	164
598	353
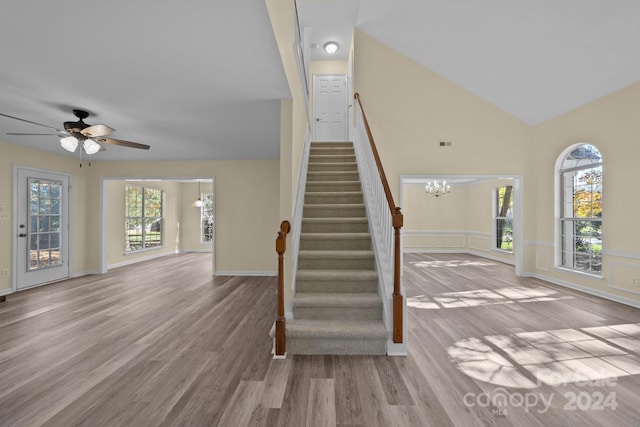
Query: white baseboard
137	260
457	251
188	251
4	292
245	273
83	273
586	290
394	349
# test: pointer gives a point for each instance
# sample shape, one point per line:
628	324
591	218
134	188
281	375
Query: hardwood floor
162	343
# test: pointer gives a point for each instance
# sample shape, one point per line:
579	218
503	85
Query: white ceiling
195	80
203	79
533	59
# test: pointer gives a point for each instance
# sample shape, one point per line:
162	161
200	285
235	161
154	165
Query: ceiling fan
74	133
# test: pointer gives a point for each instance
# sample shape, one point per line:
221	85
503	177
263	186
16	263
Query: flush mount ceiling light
331	47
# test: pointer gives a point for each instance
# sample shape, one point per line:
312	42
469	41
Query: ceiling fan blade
96	131
124	143
29	121
19	133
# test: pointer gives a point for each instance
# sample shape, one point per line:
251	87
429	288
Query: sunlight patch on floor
553	357
480	297
451	263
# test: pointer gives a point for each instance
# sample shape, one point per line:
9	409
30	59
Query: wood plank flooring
161	343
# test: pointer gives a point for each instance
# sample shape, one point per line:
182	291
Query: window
143	218
206	218
580	227
503	211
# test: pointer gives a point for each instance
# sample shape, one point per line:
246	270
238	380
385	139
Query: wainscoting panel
542	259
624	277
480	241
416	240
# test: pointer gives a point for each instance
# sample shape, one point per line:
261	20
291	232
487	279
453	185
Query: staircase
336	308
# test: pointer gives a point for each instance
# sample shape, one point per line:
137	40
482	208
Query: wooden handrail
281	248
397	223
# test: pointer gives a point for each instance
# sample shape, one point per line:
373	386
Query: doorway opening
178	224
467	220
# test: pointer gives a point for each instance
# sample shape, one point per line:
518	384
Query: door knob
317	120
22	226
22	235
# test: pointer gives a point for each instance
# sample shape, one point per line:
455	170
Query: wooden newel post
398	305
281	247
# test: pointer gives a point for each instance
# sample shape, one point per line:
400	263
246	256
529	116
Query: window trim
496	218
144	219
559	217
204	197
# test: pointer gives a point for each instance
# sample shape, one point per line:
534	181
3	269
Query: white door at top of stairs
330	107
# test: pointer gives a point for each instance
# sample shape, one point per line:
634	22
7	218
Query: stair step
305	336
334	210
328	158
335	241
333	197
335	225
333	186
348	281
332	143
337	306
336	260
333	166
333	176
338	151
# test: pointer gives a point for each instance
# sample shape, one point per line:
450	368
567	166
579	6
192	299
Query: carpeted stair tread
354	254
338	300
330	194
353	175
333	186
336	308
335	236
337	281
335	275
340	329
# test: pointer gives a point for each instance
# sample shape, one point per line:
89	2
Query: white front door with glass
42	227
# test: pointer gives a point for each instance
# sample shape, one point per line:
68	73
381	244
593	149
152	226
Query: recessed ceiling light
331	47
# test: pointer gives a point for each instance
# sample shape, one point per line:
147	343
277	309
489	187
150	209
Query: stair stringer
296	225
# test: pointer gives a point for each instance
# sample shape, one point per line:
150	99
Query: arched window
579	171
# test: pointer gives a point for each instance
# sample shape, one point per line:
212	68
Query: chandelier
437	189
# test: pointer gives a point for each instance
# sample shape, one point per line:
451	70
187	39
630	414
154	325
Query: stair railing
385	217
281	322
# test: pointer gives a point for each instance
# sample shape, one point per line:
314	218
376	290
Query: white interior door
41	227
330	107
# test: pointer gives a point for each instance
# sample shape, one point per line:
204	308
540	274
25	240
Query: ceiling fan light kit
76	132
90	146
69	143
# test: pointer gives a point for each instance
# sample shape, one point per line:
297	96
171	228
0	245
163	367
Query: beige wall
247	203
115	221
190	233
411	108
14	155
294	122
611	124
323	67
247	207
460	222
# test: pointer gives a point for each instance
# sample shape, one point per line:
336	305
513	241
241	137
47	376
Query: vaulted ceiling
203	79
